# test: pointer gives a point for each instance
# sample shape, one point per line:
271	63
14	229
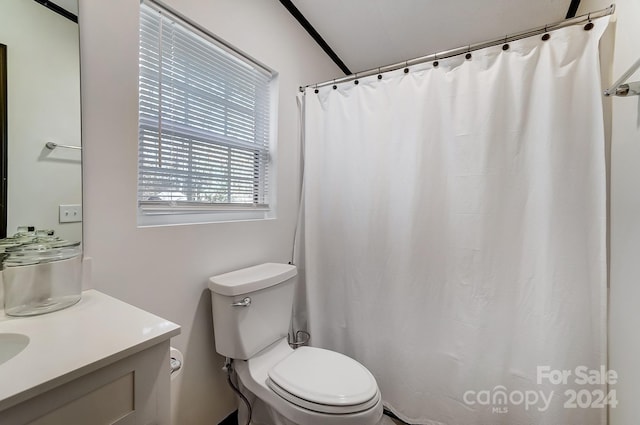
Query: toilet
306	386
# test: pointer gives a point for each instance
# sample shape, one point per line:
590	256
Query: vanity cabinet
134	390
112	369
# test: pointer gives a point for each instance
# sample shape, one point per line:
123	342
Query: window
205	125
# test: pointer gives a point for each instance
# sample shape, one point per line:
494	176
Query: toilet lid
324	377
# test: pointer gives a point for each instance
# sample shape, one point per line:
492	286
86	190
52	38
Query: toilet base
262	413
271	409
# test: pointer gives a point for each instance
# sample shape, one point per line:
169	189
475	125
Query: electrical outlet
70	213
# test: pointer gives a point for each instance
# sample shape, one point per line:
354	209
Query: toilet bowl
307	386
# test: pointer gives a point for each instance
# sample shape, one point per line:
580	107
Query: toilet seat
323	408
324	381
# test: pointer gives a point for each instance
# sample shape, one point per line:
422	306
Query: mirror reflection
41	104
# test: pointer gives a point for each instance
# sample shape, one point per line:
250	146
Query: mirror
40	104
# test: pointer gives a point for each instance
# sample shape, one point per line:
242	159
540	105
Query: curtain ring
356	82
505	46
316	90
334	84
379	75
406	67
468	55
435	60
589	25
546	35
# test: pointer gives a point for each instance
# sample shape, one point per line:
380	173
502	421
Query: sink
11	345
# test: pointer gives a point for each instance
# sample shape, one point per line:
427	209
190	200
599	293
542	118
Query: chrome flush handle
246	302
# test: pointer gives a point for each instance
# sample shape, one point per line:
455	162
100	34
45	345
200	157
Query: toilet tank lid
251	279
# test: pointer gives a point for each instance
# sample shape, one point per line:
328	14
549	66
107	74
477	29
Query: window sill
155	220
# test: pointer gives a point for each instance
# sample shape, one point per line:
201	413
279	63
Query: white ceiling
367	34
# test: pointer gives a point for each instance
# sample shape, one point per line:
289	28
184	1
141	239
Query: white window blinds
204	121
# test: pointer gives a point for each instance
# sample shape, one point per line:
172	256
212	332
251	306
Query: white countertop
69	343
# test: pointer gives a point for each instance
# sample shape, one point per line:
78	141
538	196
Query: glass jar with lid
41	273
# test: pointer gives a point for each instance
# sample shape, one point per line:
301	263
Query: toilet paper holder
176	361
174	365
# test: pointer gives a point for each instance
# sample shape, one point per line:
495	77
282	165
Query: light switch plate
71	213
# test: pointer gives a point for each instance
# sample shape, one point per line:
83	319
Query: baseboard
232	419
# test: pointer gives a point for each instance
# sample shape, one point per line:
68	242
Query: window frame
169	212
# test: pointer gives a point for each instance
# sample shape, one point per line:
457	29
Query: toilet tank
251	308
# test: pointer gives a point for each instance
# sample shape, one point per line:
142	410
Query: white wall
624	302
165	269
43	104
624	293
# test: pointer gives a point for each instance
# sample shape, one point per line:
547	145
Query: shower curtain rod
466	49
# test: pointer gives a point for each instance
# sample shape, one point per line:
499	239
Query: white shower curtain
454	231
